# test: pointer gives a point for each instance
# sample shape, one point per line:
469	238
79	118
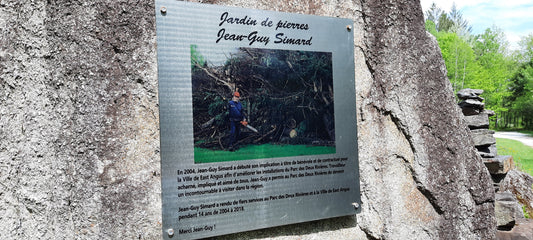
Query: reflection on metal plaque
257	118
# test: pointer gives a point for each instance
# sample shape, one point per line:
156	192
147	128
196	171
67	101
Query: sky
514	17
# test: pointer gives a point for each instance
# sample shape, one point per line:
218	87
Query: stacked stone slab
507	208
477	119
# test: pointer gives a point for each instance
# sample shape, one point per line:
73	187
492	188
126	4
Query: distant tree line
485	61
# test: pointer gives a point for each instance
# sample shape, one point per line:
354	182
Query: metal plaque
257	118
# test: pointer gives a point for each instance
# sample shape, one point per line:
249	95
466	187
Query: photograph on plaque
262	103
257	117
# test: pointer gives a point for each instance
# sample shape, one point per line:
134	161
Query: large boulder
79	154
80	140
521	185
418	162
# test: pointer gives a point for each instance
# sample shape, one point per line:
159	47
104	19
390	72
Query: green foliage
485	62
526	48
431	27
490	48
459	57
459	24
203	155
433	14
522	154
522	88
445	24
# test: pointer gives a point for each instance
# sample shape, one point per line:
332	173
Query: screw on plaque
349	28
163	10
170	232
355	205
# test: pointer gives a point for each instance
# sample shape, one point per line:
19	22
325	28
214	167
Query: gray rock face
80	140
413	171
79	121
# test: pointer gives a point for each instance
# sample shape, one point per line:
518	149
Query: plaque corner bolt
349	28
170	232
356	205
163	10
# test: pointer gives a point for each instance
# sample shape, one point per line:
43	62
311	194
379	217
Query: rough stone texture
483	137
79	126
521	185
446	191
478	121
468	93
507	210
79	120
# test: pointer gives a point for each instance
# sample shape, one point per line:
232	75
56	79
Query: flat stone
483	137
489	151
469	111
489	112
505	197
480	120
474	103
486	155
468	93
499	164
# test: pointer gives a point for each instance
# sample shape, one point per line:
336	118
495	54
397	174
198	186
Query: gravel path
524	138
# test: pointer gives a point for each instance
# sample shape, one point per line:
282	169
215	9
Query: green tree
431	27
459	24
484	61
460	60
526	48
444	24
433	14
490	48
521	85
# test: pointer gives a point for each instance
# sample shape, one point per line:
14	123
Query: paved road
524	138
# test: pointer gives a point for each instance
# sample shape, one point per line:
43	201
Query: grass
202	155
522	154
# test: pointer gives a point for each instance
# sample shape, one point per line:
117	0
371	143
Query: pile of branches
287	97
